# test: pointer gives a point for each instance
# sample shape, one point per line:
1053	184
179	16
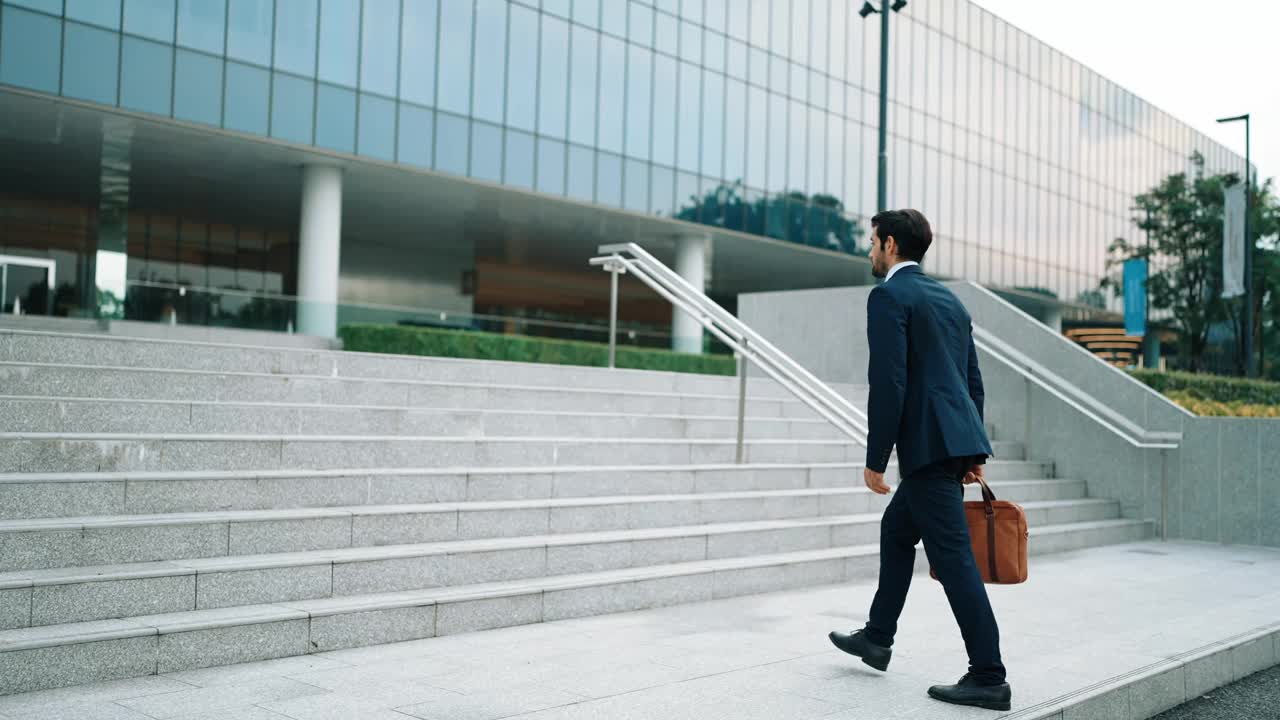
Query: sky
1197	60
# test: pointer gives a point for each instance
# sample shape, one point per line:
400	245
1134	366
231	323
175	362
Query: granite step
56	348
35	495
91	415
105	452
75	653
110	383
114	539
54	596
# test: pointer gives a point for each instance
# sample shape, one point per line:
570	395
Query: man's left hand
875	481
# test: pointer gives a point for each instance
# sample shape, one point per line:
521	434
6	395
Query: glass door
27	284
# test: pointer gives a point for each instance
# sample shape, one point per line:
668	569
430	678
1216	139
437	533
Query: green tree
1182	217
816	221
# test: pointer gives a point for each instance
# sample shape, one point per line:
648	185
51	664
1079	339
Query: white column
691	264
1053	317
319	248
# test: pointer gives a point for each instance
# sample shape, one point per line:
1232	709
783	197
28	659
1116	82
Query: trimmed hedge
1213	408
1212	388
475	345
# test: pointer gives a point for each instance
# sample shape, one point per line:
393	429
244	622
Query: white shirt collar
899	266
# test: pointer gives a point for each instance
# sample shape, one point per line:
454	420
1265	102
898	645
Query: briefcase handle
988	498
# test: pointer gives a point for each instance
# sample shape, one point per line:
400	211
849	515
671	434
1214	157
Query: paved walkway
1082	619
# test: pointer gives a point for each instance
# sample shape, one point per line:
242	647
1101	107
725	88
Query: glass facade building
756	116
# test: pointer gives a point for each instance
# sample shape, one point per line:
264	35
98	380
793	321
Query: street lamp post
1250	368
883	165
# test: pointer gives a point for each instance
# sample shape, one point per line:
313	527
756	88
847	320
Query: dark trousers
929	505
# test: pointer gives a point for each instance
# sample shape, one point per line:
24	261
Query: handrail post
742	398
1026	421
614	269
1164	496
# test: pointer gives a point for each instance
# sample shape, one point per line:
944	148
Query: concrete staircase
173	505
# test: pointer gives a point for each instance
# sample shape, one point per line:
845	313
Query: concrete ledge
1148	691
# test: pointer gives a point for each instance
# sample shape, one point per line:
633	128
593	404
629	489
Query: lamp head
867	9
898	5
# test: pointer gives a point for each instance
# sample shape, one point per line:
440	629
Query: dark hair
909	229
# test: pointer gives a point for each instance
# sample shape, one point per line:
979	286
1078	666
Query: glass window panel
89	61
798	126
198	88
416	135
779	72
667	34
662	193
637	186
689	113
613	60
377	137
201	24
736	64
519	169
835	158
249	30
614	17
292	100
582	174
777	143
379	46
553	85
336	118
486	152
452	143
716	12
582	98
759	22
150	18
691	10
490	67
639	100
641	27
53	7
735	131
686	191
550	163
758	137
818	149
30	48
817	89
714	51
740	20
587	12
295	47
690	42
609	179
146	76
557	7
246	98
522	66
664	110
799	82
339	42
780	27
801	16
759	74
713	102
455	56
96	12
418	52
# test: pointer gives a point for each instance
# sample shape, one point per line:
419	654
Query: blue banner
1135	297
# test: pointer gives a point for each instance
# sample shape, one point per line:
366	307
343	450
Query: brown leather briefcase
998	531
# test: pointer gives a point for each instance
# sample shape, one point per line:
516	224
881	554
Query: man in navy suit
926	398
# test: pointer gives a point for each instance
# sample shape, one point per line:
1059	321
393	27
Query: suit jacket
926	389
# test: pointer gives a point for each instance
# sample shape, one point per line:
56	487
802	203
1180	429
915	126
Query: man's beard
878	272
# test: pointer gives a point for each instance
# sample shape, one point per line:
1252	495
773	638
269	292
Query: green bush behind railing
1213	388
475	345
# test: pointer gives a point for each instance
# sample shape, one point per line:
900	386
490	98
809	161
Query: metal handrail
1029	371
748	344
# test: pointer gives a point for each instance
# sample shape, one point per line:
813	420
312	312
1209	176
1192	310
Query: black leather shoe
856	643
969	692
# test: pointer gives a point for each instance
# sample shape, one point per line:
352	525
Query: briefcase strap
988	498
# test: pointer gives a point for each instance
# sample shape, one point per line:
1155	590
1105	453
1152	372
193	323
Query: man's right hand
973	476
